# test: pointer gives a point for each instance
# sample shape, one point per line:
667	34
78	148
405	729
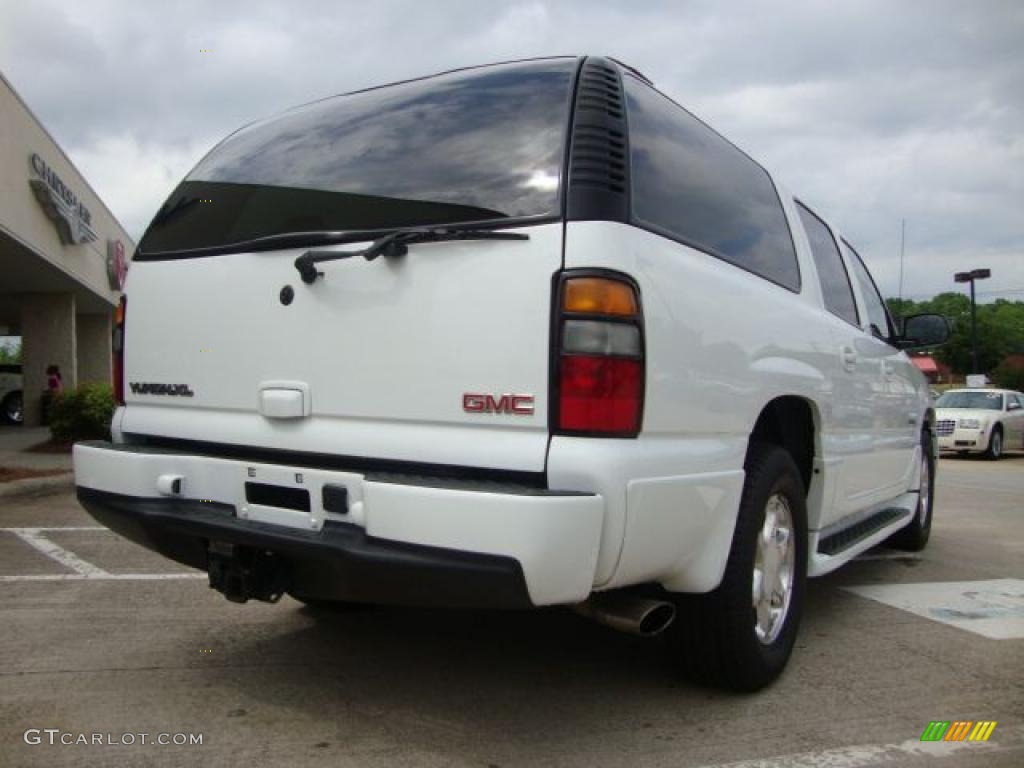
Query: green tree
1000	327
902	307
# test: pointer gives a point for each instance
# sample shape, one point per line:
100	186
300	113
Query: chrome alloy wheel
14	414
774	568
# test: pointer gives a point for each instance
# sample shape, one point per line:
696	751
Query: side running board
841	536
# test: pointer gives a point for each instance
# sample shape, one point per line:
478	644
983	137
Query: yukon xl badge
148	388
518	405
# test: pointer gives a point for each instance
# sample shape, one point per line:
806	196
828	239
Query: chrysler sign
69	214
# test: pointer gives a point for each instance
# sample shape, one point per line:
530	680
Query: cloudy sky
871	111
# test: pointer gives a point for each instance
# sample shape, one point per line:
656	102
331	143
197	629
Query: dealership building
63	257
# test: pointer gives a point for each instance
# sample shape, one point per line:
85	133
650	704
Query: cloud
134	177
870	111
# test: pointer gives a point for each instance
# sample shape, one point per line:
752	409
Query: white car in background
988	421
10	394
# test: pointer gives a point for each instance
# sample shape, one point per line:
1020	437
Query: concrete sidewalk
14	445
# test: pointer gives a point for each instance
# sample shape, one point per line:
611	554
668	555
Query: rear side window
474	145
878	316
692	185
835	282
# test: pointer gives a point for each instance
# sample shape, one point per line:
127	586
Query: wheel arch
792	422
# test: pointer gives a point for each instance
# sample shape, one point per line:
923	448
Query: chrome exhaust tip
626	613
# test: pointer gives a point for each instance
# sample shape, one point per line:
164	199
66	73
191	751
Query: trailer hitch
242	574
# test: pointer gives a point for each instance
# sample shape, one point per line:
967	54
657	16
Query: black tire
11	410
914	537
714	637
994	452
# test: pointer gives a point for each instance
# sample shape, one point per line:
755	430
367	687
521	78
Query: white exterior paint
369	367
397	344
372	360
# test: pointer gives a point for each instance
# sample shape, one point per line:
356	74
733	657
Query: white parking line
865	755
82	569
35	539
992	608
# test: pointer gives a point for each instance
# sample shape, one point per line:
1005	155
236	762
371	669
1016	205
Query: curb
37	486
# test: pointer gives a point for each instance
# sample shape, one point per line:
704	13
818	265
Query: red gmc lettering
518	405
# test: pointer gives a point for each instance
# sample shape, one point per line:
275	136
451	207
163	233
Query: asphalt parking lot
97	636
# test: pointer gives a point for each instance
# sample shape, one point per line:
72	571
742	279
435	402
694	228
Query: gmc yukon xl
527	334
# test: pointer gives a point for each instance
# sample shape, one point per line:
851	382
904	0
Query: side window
878	316
692	185
835	282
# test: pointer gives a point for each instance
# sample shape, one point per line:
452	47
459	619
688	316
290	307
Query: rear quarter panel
720	344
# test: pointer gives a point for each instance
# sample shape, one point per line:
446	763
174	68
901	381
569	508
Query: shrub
82	414
1009	376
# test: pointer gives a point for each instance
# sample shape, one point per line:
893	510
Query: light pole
970	277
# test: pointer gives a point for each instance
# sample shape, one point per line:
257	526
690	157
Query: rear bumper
339	561
402	540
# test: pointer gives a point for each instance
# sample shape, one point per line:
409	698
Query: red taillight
599	354
118	350
600	394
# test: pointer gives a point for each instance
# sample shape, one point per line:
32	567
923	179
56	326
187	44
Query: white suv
520	335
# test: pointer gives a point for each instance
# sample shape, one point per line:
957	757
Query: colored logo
958	730
117	264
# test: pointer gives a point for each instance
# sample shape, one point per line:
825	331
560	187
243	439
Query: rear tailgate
380	353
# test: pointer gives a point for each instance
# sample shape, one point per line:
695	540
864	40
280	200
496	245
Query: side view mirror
1013	407
922	331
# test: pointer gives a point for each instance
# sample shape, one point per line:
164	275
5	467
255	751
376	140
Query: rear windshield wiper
396	244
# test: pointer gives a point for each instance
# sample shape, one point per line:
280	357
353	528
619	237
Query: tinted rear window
691	184
473	145
878	315
835	283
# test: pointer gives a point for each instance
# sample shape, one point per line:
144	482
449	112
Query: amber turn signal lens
599	296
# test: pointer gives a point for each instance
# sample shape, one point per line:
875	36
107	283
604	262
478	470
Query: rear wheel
995	444
915	536
12	408
741	635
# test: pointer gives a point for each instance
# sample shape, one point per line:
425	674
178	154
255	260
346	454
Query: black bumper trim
139	443
339	562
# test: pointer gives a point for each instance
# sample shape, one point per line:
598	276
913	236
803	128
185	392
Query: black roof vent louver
599	153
